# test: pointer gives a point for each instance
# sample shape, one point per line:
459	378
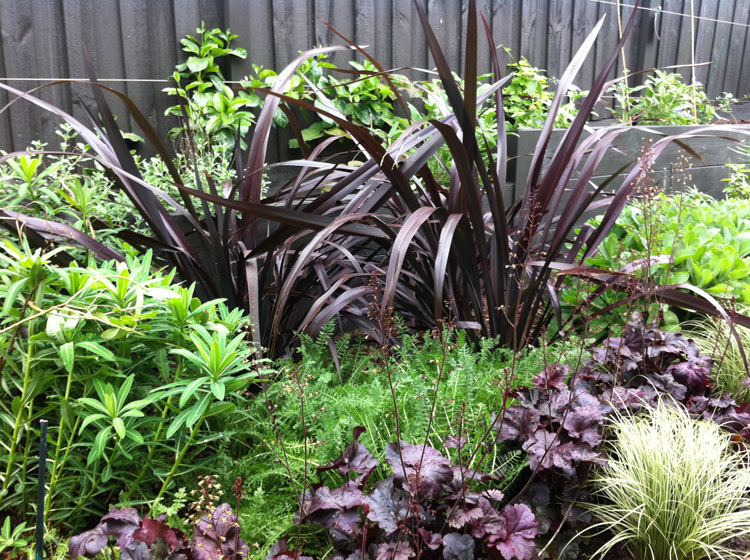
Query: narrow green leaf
119	426
67	354
97	349
190	391
218	389
197	410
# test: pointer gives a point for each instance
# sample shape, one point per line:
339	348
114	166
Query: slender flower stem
58	467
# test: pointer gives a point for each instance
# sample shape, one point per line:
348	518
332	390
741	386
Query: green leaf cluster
129	369
662	99
213	110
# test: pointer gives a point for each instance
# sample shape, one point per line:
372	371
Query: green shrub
527	98
673	488
663	99
128	368
707	241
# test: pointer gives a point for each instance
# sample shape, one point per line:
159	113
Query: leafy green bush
528	98
214	112
663	99
128	368
703	242
673	488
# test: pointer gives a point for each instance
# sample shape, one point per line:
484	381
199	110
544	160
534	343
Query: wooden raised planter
715	150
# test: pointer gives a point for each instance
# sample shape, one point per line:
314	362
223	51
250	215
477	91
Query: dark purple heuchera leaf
118	524
546	451
464	514
151	530
279	551
355	458
453	442
89	543
387	505
336	510
215	536
458	547
518	422
431	540
666	384
693	373
138	550
517	538
426	470
395	551
551	376
584	423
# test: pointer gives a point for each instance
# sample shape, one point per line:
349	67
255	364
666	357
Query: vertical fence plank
534	32
721	45
383	23
445	19
644	43
364	28
743	86
95	25
735	50
585	16
559	36
409	44
670	28
6	132
506	30
18	38
150	52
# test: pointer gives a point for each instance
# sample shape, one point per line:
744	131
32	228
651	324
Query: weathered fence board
139	40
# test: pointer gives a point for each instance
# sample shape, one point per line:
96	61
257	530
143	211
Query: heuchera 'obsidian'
426	505
559	420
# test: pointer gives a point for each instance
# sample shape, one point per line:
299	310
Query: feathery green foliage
470	388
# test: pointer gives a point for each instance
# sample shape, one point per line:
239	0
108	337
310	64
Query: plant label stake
40	490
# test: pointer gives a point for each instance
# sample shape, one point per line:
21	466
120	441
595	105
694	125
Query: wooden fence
135	43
